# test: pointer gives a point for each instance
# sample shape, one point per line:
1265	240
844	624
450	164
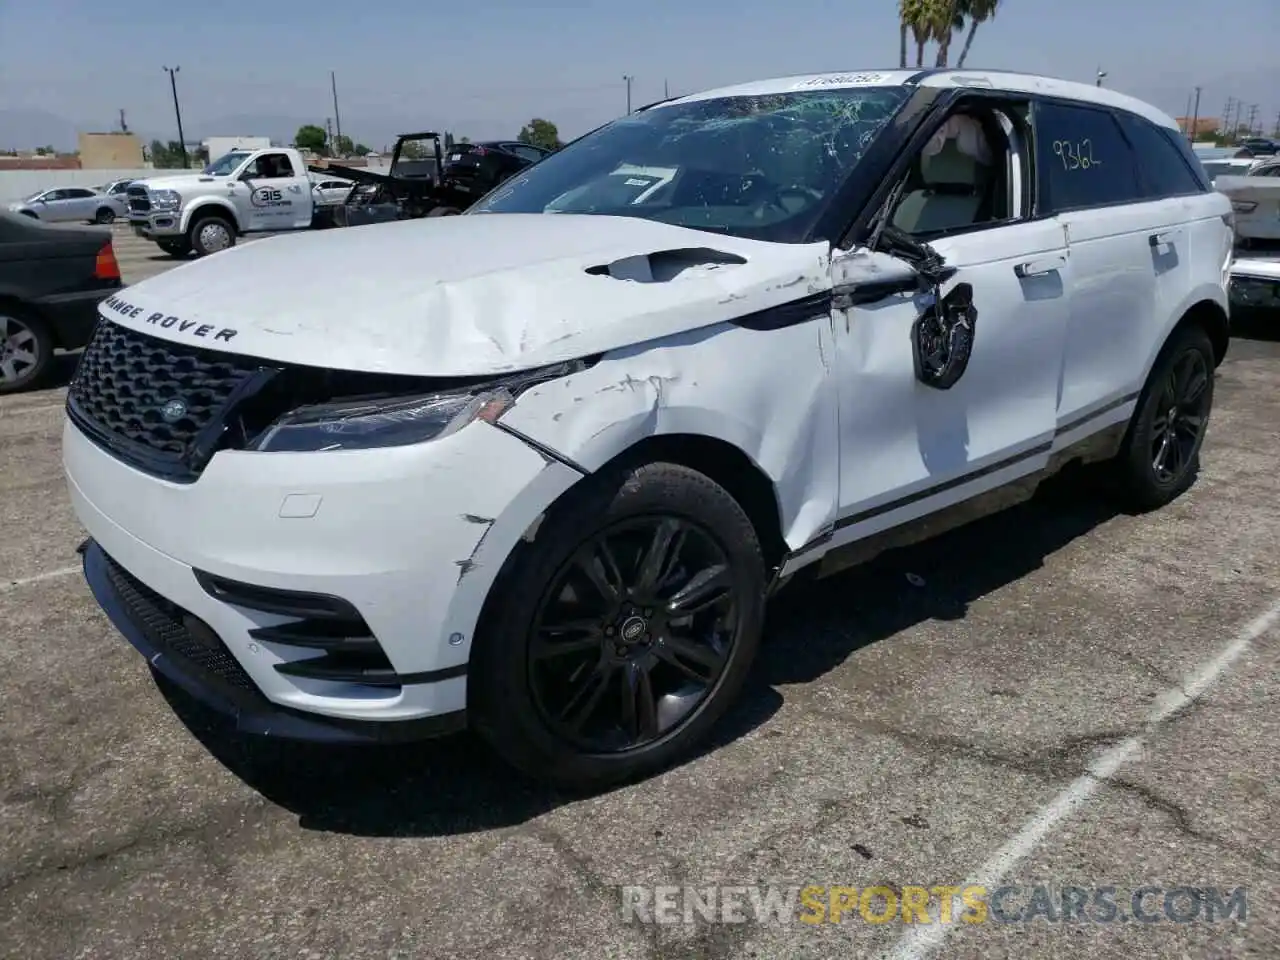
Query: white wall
16	184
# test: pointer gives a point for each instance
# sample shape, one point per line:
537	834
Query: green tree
313	138
540	133
344	145
979	11
411	150
361	150
166	156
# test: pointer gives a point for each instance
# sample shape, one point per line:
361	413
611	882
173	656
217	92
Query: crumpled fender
771	393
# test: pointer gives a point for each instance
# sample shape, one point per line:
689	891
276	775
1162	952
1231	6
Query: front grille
166	626
125	379
139	202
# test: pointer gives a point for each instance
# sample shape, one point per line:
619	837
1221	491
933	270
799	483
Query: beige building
110	151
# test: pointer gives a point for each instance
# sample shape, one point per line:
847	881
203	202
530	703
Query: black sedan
479	167
51	281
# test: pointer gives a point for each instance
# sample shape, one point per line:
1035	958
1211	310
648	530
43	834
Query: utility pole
1195	116
666	91
1276	130
124	127
628	78
337	118
328	133
1100	77
1226	116
1253	115
1186	116
173	85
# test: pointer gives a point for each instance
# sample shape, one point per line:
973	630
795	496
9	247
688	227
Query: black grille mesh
163	624
138	199
125	378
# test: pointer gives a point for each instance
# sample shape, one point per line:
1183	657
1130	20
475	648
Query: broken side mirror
942	337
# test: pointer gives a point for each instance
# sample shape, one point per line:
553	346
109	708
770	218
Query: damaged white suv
536	469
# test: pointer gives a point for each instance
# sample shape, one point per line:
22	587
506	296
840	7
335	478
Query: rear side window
1165	173
1083	159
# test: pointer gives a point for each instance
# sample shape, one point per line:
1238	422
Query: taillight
480	151
105	267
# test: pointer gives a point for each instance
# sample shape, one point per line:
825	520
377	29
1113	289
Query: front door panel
907	448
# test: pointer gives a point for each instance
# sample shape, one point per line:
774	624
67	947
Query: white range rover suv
537	473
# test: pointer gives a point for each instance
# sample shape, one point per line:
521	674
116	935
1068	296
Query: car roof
941	78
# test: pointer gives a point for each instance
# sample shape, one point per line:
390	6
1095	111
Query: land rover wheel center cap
634	630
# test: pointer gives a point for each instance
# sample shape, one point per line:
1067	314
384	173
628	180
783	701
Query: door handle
1038	268
1163	239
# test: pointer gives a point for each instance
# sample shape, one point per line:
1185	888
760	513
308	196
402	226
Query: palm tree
916	17
945	17
980	11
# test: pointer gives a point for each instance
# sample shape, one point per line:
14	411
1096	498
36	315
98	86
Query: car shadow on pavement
457	786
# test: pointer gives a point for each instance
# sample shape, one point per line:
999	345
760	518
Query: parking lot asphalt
1059	695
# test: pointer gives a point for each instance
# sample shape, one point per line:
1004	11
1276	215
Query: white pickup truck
244	191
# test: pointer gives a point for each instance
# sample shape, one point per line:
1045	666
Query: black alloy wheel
632	634
1159	457
1182	410
620	629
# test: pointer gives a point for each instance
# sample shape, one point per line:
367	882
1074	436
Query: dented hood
470	295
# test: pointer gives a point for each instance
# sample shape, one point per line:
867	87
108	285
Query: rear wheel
25	350
1160	455
210	234
623	632
104	216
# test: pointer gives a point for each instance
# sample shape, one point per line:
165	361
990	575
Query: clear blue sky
483	67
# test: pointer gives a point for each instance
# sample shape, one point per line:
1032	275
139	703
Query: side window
1083	159
79	193
532	154
1164	171
271	166
54	195
963	178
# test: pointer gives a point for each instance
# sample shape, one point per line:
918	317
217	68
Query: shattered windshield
752	166
225	164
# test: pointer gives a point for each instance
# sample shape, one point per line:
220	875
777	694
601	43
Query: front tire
1160	455
623	632
105	216
211	234
26	348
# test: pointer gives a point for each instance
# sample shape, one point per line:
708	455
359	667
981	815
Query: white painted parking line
922	941
38	578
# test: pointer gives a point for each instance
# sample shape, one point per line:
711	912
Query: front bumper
185	651
73	316
411	538
157	225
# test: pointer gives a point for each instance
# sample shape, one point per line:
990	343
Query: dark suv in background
479	167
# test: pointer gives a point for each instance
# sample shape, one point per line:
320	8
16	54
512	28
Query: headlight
363	425
165	199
